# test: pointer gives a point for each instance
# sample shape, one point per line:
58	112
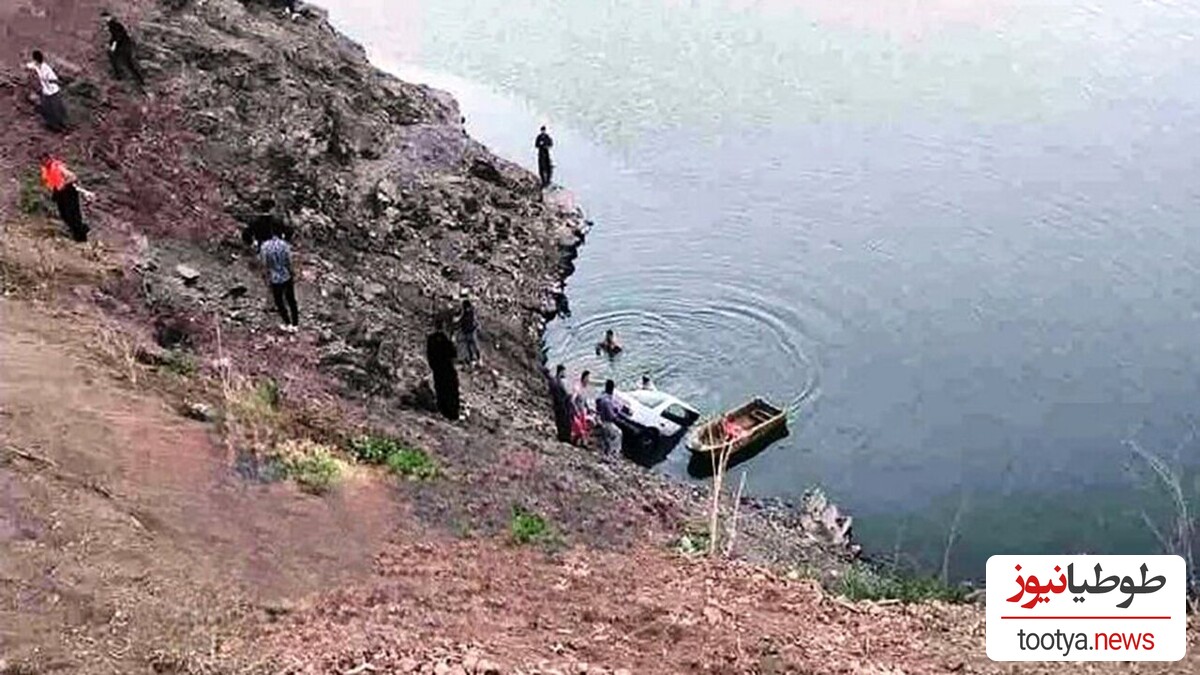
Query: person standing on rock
609	411
121	53
60	181
561	400
581	410
543	143
49	93
440	352
276	256
468	333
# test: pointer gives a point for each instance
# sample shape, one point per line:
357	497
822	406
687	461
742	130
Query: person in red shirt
60	181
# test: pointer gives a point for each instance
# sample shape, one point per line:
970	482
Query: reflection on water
959	234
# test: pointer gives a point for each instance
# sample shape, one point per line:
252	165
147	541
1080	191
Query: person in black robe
121	53
561	400
543	143
441	354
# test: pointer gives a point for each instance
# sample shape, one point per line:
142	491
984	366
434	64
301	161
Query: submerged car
656	420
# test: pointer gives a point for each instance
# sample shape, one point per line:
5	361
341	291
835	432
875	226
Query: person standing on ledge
121	54
561	399
545	166
277	258
440	353
581	410
609	411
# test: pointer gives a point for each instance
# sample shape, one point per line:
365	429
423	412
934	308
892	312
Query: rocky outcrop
396	212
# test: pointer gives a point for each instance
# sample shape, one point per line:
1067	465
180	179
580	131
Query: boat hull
759	421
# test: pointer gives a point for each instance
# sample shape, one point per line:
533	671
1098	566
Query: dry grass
121	351
252	417
313	465
1179	537
37	260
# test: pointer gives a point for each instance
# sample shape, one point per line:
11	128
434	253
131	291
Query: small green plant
31	199
412	464
370	449
860	582
312	465
694	541
180	362
526	527
268	393
249	406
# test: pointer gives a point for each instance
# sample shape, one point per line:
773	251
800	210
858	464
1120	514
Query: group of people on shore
578	416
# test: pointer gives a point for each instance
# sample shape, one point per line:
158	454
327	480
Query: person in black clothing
561	399
121	53
545	166
440	352
261	224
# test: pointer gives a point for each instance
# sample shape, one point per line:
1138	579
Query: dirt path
123	529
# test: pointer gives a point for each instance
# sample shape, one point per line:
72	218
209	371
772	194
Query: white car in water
655	415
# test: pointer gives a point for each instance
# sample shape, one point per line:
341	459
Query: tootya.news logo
1086	608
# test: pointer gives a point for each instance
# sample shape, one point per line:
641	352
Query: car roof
652	398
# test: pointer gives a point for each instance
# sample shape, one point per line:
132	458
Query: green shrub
312	465
528	528
412	464
180	362
863	583
408	462
694	541
370	449
269	394
32	198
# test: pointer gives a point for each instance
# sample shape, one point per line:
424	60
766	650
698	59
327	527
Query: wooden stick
737	502
29	456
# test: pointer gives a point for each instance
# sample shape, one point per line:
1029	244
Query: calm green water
962	234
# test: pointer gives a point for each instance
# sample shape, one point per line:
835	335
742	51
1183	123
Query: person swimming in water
609	345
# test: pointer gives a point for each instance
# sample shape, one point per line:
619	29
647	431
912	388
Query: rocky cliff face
397	213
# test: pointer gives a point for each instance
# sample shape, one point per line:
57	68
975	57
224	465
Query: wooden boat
756	422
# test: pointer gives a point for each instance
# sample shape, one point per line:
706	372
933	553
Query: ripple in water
707	350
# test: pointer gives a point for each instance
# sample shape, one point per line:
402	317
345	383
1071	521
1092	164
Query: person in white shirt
50	103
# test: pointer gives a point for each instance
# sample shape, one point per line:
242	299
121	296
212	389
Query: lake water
959	234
